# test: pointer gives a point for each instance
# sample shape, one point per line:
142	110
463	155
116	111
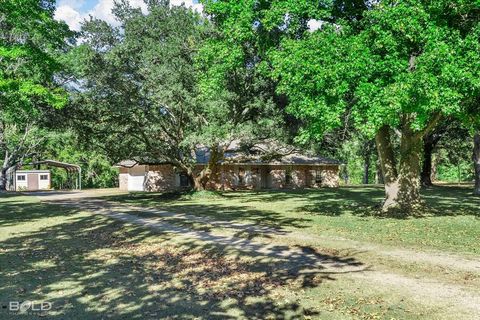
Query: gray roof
126	163
297	158
58	164
263	155
131	163
290	159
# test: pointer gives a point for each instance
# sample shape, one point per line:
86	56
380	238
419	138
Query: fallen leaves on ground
206	273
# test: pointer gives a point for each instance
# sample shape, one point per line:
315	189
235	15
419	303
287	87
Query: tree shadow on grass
248	220
151	198
361	201
15	211
451	201
135	197
325	201
92	267
244	214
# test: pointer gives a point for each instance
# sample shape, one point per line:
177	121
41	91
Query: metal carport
71	169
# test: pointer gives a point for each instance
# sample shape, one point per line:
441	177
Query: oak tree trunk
197	183
378	174
210	171
434	169
402	187
476	162
408	197
193	180
426	175
3	179
366	169
387	163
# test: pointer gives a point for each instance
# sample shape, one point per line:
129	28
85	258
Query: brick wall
160	178
256	178
278	178
299	178
163	177
330	177
302	177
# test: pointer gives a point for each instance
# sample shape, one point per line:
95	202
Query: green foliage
404	61
153	89
238	100
31	42
97	171
453	157
139	90
353	153
235	70
458	172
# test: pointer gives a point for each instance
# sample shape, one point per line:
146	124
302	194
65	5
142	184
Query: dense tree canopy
31	43
146	93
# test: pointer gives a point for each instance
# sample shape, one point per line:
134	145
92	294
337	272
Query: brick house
289	172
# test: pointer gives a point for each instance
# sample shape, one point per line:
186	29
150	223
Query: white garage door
136	178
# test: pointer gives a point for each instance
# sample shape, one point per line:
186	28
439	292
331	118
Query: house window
21	178
318	177
184	180
44	177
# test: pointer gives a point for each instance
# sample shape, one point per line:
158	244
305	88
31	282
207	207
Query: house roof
132	163
126	163
290	159
267	153
203	156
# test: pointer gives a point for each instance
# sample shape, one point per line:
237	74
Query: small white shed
32	180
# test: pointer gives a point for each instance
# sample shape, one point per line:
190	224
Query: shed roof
32	171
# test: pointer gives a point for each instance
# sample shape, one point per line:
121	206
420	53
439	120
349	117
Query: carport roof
59	164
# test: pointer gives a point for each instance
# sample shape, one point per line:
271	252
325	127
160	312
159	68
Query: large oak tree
400	70
31	44
145	90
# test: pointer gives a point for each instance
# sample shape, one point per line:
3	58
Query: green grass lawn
93	267
451	223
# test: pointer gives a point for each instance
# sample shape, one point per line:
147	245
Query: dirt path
304	257
454	299
431	292
437	258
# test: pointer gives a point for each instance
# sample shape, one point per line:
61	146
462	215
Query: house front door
32	182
